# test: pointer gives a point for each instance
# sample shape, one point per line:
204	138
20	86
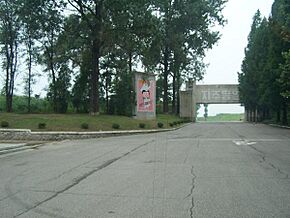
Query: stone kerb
13	134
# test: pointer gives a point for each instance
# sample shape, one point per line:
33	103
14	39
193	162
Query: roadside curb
279	126
18	147
26	134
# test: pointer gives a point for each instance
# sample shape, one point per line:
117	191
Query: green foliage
58	93
142	125
115	126
4	124
103	48
72	122
160	125
41	125
10	41
122	101
285	75
38	105
85	126
264	80
223	118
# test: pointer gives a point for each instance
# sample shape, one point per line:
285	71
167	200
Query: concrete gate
206	94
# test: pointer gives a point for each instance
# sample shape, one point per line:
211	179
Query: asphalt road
201	170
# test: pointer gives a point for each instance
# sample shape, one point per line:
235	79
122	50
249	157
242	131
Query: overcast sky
227	55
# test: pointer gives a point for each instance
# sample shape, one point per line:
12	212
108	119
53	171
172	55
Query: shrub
41	125
85	126
174	123
142	125
171	124
115	126
4	124
160	125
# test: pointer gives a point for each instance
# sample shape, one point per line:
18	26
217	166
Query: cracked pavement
201	170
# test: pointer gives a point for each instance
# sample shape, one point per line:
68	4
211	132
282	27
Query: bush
4	124
41	125
160	125
171	124
174	123
142	125
85	126
115	126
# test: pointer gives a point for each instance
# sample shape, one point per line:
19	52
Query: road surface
201	170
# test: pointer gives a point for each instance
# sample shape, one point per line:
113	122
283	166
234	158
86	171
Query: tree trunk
11	69
29	76
174	93
7	79
94	98
278	118
284	114
50	52
107	93
165	80
178	95
53	84
130	65
9	100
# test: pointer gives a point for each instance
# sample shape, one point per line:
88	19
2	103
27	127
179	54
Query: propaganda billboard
146	94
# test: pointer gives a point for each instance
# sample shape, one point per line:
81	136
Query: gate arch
206	94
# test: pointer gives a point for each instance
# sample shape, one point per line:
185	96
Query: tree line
265	72
91	48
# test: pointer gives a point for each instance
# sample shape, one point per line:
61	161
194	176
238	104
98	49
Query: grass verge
223	118
73	122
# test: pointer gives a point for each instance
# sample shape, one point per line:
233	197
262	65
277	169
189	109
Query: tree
205	111
191	21
58	92
52	56
30	16
285	85
93	14
285	75
249	78
281	29
263	82
9	40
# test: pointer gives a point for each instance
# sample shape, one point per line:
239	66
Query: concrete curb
11	147
279	126
27	135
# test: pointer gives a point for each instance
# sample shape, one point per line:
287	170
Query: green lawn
223	117
72	122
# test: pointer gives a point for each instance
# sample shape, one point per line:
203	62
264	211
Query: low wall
28	135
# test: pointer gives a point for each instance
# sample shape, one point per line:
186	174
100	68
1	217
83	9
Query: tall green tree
30	16
94	14
52	55
263	82
249	77
191	20
10	42
280	45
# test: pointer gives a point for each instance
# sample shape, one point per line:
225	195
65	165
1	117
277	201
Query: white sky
226	57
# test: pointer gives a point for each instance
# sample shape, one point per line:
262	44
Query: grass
73	122
223	117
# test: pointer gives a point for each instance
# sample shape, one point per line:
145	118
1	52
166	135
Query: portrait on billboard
146	95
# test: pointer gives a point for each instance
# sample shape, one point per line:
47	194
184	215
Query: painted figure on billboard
145	100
